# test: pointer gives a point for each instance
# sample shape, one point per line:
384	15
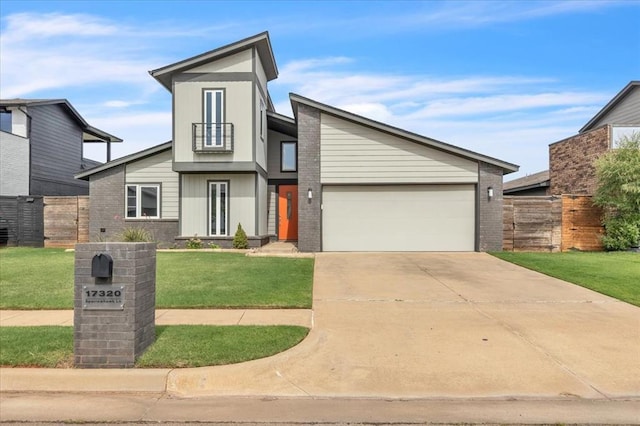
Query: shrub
194	243
620	234
136	235
240	240
213	246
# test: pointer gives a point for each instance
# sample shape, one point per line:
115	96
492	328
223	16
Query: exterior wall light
309	193
490	192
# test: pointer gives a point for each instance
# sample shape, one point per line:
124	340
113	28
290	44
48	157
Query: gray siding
626	112
107	211
352	153
14	165
157	169
271	210
273	158
56	152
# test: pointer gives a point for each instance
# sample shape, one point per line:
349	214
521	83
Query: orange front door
288	212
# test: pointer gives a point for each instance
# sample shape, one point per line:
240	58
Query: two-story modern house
41	147
326	178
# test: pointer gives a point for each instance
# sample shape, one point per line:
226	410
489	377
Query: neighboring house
535	184
328	179
41	147
571	169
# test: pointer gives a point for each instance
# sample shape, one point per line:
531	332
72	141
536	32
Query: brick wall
309	213
490	217
571	169
107	211
115	338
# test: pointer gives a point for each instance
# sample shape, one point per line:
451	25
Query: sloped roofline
123	160
611	105
404	134
101	135
261	42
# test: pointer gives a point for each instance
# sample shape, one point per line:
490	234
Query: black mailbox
102	266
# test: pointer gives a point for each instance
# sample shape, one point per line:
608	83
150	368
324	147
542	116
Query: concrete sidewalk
412	332
302	317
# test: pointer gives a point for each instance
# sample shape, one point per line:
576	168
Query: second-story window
288	156
5	121
213	118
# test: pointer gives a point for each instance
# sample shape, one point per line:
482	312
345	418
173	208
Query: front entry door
288	212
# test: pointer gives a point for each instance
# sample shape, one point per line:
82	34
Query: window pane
5	121
223	209
213	208
131	201
218	118
208	118
149	201
289	155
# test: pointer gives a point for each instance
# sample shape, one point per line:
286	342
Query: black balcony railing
212	137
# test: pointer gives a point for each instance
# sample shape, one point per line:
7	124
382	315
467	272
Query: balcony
214	138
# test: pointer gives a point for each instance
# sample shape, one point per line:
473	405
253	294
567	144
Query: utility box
115	301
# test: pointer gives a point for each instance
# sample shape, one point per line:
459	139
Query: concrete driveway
445	325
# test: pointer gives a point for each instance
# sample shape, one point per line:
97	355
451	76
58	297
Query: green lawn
33	278
175	346
616	274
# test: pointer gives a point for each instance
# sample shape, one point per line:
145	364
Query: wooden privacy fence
551	223
21	221
66	221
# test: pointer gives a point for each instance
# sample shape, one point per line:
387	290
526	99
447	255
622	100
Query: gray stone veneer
490	210
115	338
309	210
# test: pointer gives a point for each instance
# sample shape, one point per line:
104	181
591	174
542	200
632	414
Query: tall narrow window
143	201
262	119
213	118
289	156
218	208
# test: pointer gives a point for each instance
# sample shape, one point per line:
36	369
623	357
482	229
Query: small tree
240	240
618	193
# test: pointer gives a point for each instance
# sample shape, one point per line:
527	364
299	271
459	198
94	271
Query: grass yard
175	346
616	274
35	278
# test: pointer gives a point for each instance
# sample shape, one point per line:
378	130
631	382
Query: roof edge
123	160
261	41
405	134
610	105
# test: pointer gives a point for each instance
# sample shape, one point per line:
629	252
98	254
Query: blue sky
505	79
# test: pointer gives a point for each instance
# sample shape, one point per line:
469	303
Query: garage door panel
399	218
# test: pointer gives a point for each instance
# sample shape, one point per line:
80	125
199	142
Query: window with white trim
218	208
289	156
143	201
213	109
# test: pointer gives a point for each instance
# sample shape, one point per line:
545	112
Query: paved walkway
303	317
429	327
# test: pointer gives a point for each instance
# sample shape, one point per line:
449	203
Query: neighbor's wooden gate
581	224
532	223
66	221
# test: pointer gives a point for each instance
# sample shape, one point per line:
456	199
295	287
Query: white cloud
509	117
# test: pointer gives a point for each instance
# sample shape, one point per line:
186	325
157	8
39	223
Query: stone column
114	317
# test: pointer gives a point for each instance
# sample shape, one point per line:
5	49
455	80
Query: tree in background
618	193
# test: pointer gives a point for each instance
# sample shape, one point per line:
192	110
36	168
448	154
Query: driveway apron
443	325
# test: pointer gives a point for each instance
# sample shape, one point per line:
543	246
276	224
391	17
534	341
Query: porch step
279	248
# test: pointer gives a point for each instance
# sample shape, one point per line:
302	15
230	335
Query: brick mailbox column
114	316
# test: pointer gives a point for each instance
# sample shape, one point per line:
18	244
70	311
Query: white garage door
398	218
